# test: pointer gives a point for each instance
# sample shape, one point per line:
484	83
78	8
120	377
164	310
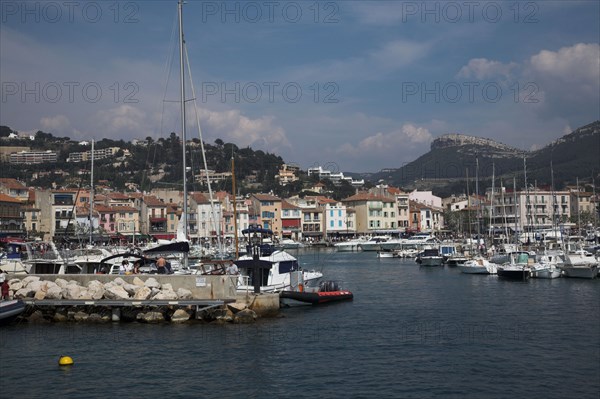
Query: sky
353	86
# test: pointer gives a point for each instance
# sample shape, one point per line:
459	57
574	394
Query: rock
39	295
36	285
180	316
71	291
183	293
236	307
60	316
165	296
96	291
138	281
245	316
54	292
116	293
80	316
167	287
95	318
131	288
15	284
37	317
143	294
85	294
155	291
62	283
94	283
119	281
73	282
29	279
24	293
152	283
151	317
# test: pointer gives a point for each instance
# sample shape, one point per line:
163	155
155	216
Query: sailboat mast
516	209
183	135
92	197
235	226
492	197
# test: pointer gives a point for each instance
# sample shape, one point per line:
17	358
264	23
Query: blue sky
354	85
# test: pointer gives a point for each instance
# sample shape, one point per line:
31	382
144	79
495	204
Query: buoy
65	361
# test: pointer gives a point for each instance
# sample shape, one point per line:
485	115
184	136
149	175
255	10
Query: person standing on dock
5	287
161	266
232	268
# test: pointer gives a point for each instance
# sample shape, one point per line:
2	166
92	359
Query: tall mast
92	197
235	227
492	197
515	206
183	135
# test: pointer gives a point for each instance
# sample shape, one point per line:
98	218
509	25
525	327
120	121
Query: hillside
445	166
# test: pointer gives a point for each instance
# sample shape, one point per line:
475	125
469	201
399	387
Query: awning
163	236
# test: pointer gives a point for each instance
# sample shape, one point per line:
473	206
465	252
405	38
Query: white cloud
568	80
231	125
122	119
55	123
482	68
407	137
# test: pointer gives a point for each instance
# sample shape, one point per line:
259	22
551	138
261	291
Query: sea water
410	332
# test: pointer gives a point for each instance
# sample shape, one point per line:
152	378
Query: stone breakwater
36	289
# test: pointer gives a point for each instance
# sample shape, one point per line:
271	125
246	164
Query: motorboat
519	266
373	244
288	243
37	257
269	269
580	263
430	257
327	292
349	246
385	254
479	265
10	310
548	265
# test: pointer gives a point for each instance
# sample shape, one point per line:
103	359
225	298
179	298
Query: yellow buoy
65	361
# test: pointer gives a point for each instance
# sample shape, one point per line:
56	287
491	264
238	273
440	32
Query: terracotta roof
114	209
8	198
12	184
287	205
118	196
362	196
266	197
200	198
153	201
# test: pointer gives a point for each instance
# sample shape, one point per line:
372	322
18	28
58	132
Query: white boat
548	265
386	254
373	244
478	265
430	257
288	243
88	259
580	264
277	271
10	309
519	266
349	246
37	257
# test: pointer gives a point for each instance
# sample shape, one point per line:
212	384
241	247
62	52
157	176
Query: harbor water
411	332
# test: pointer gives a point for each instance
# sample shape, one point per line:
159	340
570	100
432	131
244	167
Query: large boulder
180	316
24	293
36	285
165	296
116	292
245	316
184	294
131	288
39	295
96	291
151	317
119	281
143	294
152	283
15	284
167	287
62	283
71	291
29	279
85	294
138	281
54	292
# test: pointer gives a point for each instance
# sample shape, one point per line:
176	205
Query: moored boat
328	291
10	309
519	267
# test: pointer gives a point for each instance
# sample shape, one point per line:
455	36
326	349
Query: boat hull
316	298
431	261
467	269
514	273
9	310
589	272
